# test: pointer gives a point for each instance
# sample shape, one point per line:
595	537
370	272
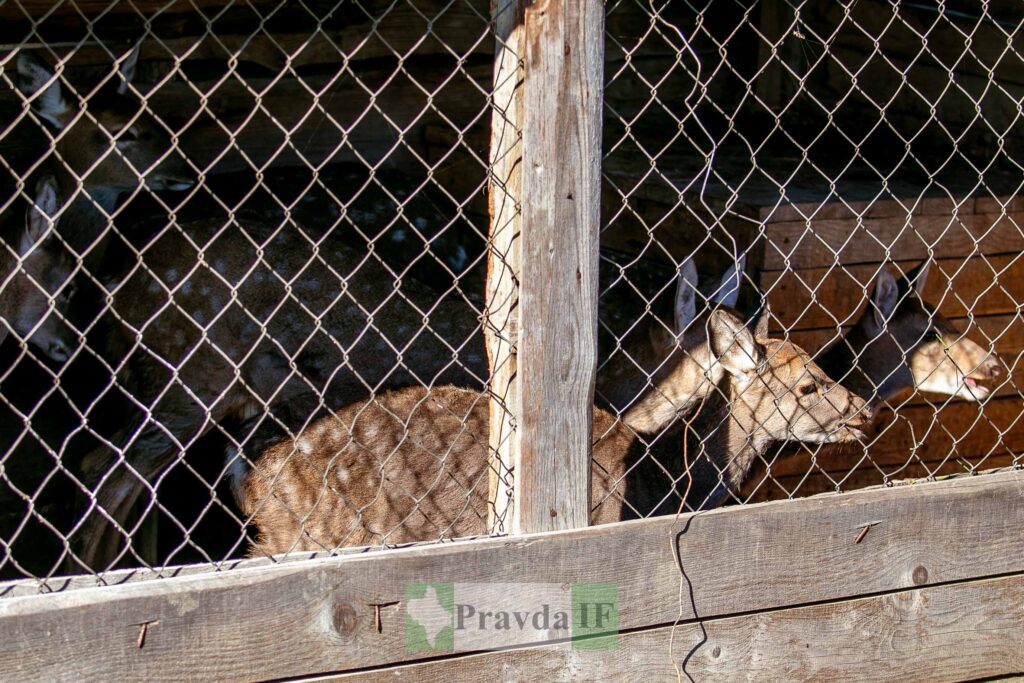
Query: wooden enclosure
553	164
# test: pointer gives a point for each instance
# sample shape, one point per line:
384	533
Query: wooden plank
504	261
960	430
945	633
563	70
823	243
763	487
960	44
1005	332
37	9
317	616
823	297
377	30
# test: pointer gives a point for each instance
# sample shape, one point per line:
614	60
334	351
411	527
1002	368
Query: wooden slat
315	616
1006	332
561	197
914	35
504	261
826	242
823	297
814	481
91	8
946	633
961	430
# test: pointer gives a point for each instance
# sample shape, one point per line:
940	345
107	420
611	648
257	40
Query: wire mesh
246	255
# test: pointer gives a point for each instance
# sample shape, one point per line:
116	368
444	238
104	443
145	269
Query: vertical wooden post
556	186
501	326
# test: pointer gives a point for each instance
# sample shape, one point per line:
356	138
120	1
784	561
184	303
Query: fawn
900	342
36	283
221	321
106	145
411	464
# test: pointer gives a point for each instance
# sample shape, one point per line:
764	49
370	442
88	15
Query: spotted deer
411	465
219	322
104	145
901	342
37	269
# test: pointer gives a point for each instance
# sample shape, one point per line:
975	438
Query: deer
225	322
36	283
411	464
104	146
900	342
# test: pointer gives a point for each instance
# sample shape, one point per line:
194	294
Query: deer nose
859	409
992	366
58	350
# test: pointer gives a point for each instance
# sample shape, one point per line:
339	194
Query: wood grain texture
824	297
824	478
563	70
1004	333
946	633
315	616
820	243
504	261
912	443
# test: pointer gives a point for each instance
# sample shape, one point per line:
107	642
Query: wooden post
502	314
542	274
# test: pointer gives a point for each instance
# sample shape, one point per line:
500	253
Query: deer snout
58	350
857	417
990	369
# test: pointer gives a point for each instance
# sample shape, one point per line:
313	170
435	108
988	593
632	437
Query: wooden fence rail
913	582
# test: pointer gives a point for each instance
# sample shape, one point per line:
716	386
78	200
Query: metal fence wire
247	245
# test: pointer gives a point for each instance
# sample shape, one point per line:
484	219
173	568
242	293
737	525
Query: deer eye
128	135
806	390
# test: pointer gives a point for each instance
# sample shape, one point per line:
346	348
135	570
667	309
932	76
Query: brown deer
411	465
35	285
104	145
219	321
900	342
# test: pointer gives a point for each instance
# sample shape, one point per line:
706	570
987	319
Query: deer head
792	399
107	140
37	284
901	342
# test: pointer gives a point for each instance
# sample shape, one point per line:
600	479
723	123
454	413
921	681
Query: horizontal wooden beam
765	485
820	243
317	616
947	633
824	297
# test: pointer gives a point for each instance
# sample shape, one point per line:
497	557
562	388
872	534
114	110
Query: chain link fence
247	254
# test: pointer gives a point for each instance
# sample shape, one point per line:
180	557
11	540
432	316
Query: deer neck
726	439
868	364
675	392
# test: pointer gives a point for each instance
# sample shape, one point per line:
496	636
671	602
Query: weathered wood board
825	297
316	616
956	632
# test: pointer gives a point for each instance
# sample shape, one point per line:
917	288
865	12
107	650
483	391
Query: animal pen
712	307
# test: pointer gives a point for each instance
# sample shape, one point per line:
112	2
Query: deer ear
729	286
732	343
761	328
126	69
37	79
686	296
918	277
40	215
885	297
